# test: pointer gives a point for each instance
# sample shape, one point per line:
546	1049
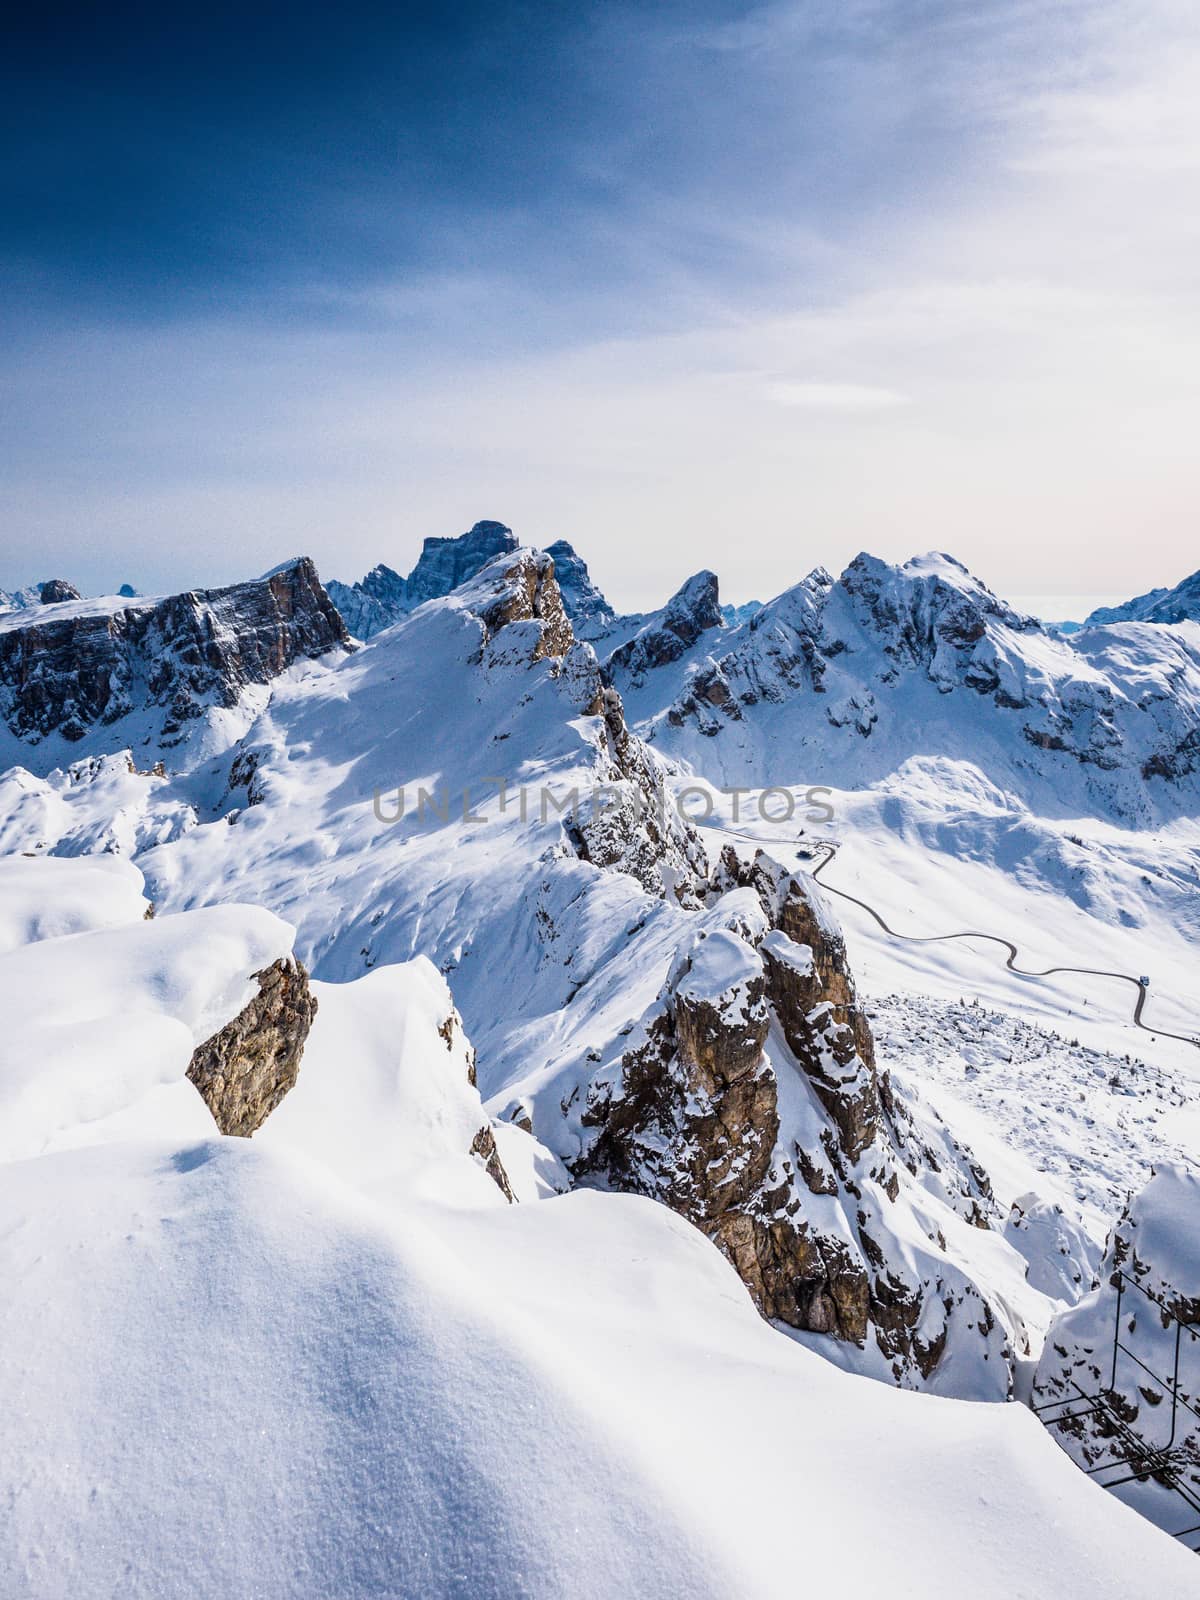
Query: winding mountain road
1010	960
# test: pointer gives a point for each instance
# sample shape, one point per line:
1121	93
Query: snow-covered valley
626	1209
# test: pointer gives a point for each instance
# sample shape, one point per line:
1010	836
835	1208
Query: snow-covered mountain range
376	821
1180	604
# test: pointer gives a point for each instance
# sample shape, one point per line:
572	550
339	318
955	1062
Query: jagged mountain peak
444	563
99	661
695	606
55	590
1180	604
935	580
585	603
383	596
667	636
843	670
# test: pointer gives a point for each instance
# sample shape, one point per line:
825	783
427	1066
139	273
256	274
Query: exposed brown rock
690	1115
244	1071
483	1148
527	589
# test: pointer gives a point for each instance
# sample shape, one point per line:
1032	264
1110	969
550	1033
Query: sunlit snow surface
270	1368
336	1361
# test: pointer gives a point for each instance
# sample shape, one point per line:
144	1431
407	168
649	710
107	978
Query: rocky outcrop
667	635
68	671
629	822
58	589
1152	1261
483	1148
524	589
796	1158
244	1071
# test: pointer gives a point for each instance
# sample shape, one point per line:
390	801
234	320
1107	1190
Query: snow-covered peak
20	599
928	595
666	636
858	673
1180	604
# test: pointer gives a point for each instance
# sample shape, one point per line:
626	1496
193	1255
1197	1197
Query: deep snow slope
463	802
281	1389
336	1360
464	788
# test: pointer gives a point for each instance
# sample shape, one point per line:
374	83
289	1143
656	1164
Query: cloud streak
743	288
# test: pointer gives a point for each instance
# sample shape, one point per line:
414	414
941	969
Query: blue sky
751	287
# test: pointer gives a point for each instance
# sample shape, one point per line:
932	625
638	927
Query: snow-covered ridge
651	1014
560	926
856	673
78	665
40	614
1180	604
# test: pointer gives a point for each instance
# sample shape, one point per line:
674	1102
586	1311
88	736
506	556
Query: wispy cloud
880	275
840	397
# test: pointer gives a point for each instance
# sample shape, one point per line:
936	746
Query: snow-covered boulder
388	1097
102	1026
53	896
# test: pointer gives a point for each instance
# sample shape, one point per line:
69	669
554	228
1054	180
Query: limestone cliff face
244	1071
589	611
748	1099
71	668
